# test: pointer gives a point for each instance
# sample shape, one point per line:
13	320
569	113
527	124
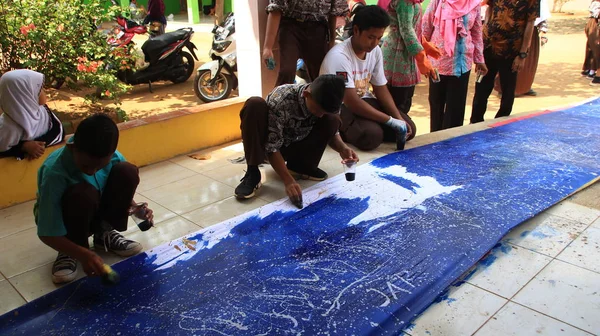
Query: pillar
193	11
254	78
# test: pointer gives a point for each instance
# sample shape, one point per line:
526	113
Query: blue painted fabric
363	257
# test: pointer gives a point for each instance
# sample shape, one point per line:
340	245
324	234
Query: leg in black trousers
447	100
508	83
84	208
305	155
254	126
484	89
437	103
456	99
402	97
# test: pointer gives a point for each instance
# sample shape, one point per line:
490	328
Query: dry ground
558	82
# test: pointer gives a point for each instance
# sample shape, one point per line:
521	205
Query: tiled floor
543	279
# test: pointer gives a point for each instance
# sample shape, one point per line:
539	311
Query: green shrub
60	38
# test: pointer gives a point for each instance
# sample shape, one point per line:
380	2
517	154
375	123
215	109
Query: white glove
400	127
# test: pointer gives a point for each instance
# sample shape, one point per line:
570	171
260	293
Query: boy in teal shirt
85	189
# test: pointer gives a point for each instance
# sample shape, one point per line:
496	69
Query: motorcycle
163	54
216	79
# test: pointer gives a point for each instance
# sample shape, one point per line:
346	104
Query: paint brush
298	202
110	277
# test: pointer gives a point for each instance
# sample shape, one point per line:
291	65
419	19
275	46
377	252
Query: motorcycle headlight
221	46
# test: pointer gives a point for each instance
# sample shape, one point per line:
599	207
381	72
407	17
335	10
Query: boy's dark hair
369	17
328	91
97	136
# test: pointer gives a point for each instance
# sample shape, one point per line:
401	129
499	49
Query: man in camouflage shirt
294	124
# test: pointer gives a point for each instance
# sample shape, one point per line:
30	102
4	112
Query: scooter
216	79
164	54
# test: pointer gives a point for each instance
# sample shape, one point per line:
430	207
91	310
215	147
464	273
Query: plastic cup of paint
436	76
138	214
349	169
479	77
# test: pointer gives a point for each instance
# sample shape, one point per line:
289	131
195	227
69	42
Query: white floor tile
596	224
507	269
10	298
464	310
223	210
213	159
189	194
23	251
585	250
567	293
38	282
546	234
16	218
164	232
160	174
574	212
516	320
232	174
273	191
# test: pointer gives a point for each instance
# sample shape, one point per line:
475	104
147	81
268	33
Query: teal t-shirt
56	174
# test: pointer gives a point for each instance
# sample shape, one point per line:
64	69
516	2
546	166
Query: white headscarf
23	117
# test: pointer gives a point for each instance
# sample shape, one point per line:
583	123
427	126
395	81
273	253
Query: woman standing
454	26
404	58
592	31
156	13
27	126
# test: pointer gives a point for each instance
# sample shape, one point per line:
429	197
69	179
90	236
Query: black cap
328	92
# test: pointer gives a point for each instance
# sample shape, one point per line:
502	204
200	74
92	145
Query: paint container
110	277
436	77
270	63
349	169
138	214
479	77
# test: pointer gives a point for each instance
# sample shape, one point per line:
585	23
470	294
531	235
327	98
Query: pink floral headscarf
447	18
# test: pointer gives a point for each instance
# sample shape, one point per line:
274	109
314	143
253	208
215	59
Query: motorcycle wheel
210	93
412	128
188	63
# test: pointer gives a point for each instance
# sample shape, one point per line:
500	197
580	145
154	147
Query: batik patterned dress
402	43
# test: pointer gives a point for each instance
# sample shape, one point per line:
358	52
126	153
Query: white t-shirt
341	60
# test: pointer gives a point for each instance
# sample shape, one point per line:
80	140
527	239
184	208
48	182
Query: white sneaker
64	269
115	242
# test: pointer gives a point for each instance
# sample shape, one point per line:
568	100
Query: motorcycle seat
154	47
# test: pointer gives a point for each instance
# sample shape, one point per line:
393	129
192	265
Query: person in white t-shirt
367	120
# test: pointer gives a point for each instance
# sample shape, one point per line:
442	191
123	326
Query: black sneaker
595	81
114	241
591	75
64	269
585	73
249	186
313	175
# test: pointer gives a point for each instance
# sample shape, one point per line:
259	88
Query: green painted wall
171	6
228	5
374	2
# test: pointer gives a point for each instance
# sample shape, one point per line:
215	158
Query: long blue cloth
362	257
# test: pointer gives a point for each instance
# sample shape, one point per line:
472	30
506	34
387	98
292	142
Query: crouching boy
85	189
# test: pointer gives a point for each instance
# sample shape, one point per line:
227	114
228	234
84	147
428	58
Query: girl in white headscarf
27	126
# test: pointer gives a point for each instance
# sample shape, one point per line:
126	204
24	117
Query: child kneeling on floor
86	188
